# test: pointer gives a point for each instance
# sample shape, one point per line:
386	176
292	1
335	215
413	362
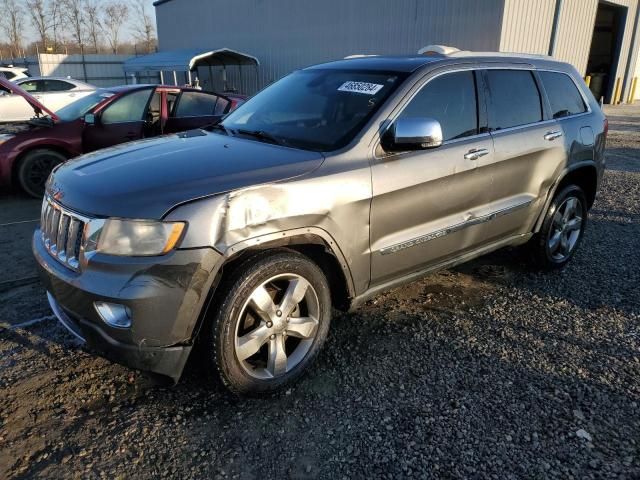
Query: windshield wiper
262	135
217	126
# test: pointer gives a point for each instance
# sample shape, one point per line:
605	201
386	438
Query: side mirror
414	134
90	119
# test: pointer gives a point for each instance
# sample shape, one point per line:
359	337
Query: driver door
122	120
427	204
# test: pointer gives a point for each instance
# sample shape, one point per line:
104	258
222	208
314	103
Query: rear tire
34	169
562	229
272	318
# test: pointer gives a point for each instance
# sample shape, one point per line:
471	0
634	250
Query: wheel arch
314	243
584	174
16	163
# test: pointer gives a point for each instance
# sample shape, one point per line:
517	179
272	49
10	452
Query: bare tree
39	20
12	25
92	15
55	16
115	15
75	18
144	30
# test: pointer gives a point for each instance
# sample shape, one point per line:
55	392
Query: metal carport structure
189	60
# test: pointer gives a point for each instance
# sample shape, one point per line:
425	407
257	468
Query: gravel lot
484	371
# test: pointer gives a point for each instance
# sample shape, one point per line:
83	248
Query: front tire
562	229
272	319
34	169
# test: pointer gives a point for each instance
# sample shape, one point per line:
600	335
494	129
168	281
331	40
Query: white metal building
599	37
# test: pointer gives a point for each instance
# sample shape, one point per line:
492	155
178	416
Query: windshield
80	107
315	109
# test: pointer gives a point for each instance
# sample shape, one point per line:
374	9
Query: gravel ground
484	371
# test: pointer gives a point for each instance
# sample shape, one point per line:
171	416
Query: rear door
569	108
194	109
122	120
59	93
428	204
529	150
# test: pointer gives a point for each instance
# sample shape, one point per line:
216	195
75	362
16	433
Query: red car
109	116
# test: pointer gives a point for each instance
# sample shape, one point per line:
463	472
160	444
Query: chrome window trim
452	229
453	141
523	127
474	68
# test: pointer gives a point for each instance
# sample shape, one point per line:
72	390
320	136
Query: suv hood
38	108
146	179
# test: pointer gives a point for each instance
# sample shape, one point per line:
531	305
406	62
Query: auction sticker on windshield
360	87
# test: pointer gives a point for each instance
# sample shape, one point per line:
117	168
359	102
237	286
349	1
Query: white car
14	73
53	93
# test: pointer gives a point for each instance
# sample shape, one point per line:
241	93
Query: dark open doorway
605	49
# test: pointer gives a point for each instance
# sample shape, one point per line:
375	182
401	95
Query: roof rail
358	55
438	50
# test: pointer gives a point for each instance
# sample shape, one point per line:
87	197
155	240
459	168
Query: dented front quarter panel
331	203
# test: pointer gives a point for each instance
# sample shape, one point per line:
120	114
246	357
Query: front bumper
165	296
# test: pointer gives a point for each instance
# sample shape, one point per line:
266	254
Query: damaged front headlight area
132	238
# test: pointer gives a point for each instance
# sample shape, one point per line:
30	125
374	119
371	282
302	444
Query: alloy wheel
40	169
566	228
277	326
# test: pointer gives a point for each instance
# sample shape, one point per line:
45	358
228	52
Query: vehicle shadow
592	279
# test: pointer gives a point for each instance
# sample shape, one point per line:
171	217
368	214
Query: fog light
117	316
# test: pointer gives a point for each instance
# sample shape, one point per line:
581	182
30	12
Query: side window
221	106
196	104
450	99
33	86
130	108
153	112
514	99
564	97
172	97
8	75
58	86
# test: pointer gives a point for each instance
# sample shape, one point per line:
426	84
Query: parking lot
487	370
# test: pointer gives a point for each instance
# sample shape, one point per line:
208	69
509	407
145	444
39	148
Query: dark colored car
107	117
335	183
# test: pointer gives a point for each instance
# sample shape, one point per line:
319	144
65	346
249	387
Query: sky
31	34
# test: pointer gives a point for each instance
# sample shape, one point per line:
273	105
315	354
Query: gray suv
335	183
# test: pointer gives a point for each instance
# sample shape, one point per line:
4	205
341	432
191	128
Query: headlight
133	237
5	137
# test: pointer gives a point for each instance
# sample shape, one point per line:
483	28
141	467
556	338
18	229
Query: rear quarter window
514	99
564	97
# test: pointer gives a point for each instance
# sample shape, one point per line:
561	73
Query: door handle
476	153
550	136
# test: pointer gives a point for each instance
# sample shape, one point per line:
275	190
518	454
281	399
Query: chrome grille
62	232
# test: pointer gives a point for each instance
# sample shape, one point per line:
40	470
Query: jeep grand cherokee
335	183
